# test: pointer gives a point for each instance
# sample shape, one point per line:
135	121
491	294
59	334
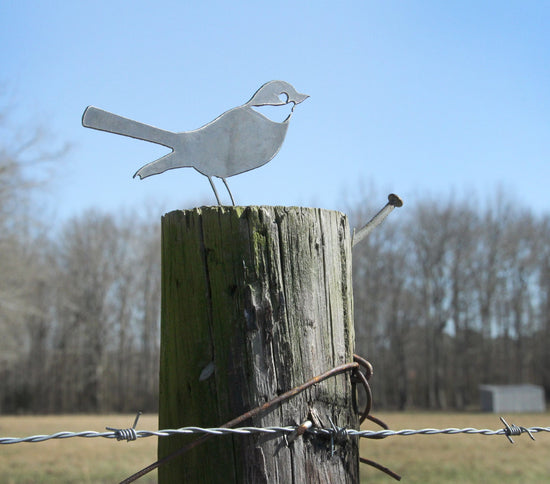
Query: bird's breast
237	141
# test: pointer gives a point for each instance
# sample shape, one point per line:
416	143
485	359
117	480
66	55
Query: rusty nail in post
298	432
393	201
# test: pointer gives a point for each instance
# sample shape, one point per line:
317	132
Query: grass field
419	459
459	458
75	460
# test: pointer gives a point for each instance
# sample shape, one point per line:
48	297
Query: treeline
80	317
448	296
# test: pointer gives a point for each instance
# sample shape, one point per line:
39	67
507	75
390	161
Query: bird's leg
215	191
229	191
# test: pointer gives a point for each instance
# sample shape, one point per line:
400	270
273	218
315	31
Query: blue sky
415	97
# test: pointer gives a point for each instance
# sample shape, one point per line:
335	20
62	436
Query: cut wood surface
255	301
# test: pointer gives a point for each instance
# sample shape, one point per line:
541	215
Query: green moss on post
255	301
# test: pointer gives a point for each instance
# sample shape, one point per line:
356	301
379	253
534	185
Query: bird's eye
283	97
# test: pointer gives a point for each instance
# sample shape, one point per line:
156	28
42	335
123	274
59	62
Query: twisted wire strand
148	433
264	430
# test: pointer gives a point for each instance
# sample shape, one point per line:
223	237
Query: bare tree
25	167
431	233
107	316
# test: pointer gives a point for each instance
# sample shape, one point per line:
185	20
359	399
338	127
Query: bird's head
276	93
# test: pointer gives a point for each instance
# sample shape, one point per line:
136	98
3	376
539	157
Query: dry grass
81	460
459	458
419	459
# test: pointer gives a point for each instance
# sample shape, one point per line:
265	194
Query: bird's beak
298	98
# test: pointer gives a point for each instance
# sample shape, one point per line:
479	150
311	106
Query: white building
511	398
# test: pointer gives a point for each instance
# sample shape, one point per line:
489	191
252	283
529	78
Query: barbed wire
128	435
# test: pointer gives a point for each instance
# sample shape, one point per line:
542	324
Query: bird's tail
105	121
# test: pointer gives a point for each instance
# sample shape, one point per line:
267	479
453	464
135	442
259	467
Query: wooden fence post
255	301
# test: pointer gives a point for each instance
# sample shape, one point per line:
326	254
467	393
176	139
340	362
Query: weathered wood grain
255	301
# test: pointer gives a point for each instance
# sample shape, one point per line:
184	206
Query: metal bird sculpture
239	140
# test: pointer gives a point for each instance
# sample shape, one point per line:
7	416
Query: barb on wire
126	434
336	434
514	430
